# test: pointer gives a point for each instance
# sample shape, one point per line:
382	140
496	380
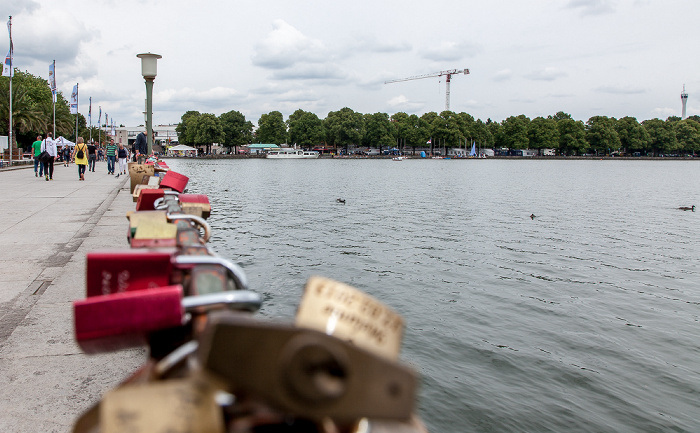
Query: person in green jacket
36	150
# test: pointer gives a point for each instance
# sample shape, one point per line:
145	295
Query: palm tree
26	116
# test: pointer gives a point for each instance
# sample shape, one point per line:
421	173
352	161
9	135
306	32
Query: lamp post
149	71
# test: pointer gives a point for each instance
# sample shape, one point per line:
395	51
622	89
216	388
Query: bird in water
691	208
340	200
532	216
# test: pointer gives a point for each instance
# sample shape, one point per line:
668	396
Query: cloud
503	75
371	44
401	103
450	51
209	100
286	46
621	90
546	74
591	7
310	72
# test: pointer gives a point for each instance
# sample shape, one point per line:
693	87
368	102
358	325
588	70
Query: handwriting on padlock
347	313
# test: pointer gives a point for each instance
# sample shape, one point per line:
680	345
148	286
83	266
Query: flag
99	118
52	77
7	69
114	130
74	100
90	112
106	121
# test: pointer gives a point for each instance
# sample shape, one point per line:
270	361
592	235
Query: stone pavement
46	229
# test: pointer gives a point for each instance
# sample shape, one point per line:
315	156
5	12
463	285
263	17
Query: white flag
7	69
74	100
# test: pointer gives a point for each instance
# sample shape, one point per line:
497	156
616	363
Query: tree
543	133
481	134
344	127
207	131
572	137
271	128
237	130
633	137
601	134
688	135
496	130
662	138
379	130
305	129
560	116
186	128
515	132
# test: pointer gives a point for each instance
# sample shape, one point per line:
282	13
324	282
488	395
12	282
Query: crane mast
448	74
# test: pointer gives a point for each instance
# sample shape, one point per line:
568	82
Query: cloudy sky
536	57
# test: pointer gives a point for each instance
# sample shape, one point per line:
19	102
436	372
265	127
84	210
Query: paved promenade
46	229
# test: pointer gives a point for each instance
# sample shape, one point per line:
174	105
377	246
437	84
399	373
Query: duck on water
690	208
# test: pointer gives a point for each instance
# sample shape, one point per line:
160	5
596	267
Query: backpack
80	154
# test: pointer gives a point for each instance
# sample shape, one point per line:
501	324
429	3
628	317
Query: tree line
345	128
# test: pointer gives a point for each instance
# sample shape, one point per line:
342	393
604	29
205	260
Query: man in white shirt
50	146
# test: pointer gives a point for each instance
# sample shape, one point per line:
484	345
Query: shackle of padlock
238	300
159	203
239	277
195	219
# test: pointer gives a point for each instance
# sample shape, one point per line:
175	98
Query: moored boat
288	153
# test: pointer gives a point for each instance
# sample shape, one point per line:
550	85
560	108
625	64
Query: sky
537	57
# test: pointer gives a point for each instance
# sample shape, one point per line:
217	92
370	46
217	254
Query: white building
163	135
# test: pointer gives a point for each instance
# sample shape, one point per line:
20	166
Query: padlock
305	372
147	198
117	271
123	320
195	204
137	172
175	181
151	229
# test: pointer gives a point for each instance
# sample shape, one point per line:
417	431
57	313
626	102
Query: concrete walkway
46	229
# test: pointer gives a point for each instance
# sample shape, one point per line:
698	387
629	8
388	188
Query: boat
292	154
399	158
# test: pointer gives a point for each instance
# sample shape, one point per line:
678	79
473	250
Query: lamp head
149	67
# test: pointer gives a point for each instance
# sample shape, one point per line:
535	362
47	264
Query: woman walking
80	153
122	154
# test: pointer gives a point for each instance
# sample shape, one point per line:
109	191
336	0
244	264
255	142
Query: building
163	135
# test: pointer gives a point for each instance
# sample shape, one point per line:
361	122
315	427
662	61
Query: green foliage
208	130
379	131
633	136
237	130
662	138
186	128
688	135
271	128
344	127
515	132
601	134
572	137
543	133
305	129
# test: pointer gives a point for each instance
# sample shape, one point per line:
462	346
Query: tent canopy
61	141
182	148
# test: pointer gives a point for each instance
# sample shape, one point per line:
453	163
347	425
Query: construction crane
449	75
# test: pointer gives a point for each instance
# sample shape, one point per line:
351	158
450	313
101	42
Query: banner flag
74	100
99	118
7	65
52	78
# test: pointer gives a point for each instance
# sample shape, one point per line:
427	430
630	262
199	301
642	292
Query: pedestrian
111	155
92	156
66	155
123	154
36	150
49	146
100	154
80	154
140	146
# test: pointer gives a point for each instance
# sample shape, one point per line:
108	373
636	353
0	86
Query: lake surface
583	319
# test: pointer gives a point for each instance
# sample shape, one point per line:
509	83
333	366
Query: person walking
80	154
65	152
123	154
36	150
111	155
140	146
92	156
49	146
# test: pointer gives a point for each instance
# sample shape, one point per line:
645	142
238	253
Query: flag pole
90	118
9	29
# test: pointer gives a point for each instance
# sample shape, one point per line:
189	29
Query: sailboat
472	154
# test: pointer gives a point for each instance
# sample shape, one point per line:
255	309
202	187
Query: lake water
585	318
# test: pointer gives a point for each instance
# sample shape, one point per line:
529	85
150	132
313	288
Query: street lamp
149	71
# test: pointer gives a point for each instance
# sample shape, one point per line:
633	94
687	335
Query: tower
684	100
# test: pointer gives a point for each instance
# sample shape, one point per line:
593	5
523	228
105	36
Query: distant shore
538	158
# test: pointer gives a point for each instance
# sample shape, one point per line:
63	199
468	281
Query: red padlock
147	197
122	320
175	181
118	271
